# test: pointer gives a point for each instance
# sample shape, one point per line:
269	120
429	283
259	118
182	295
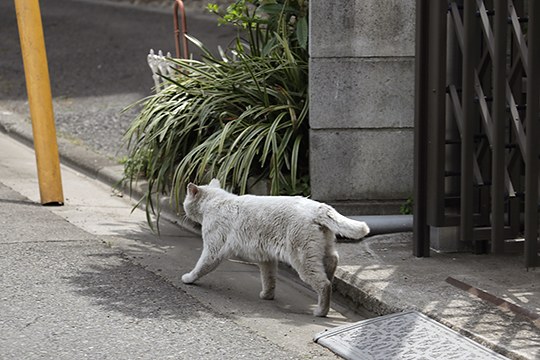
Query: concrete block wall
362	103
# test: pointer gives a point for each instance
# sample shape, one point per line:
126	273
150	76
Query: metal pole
436	105
179	5
40	101
531	145
499	122
467	139
420	228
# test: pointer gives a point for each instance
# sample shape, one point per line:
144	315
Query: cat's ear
215	183
192	189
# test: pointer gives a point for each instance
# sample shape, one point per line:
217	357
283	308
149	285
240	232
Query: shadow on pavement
131	290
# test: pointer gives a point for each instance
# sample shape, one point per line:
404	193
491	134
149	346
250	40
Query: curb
371	298
84	160
109	172
89	163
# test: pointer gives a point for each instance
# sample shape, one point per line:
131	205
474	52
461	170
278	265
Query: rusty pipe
179	6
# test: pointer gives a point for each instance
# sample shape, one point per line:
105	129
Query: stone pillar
362	103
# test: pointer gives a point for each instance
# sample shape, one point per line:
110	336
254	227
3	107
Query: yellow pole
40	100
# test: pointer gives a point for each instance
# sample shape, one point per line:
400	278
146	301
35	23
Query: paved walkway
492	299
89	279
66	295
382	273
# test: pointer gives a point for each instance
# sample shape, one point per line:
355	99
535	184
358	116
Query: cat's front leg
206	263
268	279
189	278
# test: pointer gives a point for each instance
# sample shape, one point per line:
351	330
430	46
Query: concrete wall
362	103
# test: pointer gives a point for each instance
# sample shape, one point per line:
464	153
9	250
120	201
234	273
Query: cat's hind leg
330	260
206	263
268	279
313	273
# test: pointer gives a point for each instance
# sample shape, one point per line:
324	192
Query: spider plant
238	116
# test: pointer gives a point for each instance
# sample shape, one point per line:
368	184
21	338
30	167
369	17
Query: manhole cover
407	335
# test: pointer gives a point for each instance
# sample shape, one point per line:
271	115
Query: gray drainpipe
386	224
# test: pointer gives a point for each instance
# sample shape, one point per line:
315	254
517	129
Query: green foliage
239	116
407	207
288	18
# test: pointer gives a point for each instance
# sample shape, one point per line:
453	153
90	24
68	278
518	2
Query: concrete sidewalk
378	273
383	275
89	279
66	295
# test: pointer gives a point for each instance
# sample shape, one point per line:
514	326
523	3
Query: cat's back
246	211
282	206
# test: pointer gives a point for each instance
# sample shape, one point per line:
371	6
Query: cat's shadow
121	286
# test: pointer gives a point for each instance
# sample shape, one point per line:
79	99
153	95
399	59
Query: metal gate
477	131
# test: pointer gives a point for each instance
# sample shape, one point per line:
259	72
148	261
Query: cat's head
195	198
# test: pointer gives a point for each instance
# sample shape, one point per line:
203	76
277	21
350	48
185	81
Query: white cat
268	229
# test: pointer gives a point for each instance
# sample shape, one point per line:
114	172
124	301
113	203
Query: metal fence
477	125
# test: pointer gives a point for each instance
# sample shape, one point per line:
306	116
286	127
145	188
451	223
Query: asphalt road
97	63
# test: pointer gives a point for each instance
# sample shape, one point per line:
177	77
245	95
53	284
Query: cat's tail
328	217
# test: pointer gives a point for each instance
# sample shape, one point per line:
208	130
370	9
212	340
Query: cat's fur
268	229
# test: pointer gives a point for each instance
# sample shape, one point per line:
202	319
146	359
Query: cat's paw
188	278
266	295
320	312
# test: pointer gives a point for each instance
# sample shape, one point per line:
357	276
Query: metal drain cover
407	335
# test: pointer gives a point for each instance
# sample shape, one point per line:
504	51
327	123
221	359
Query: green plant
285	17
407	207
137	164
238	116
